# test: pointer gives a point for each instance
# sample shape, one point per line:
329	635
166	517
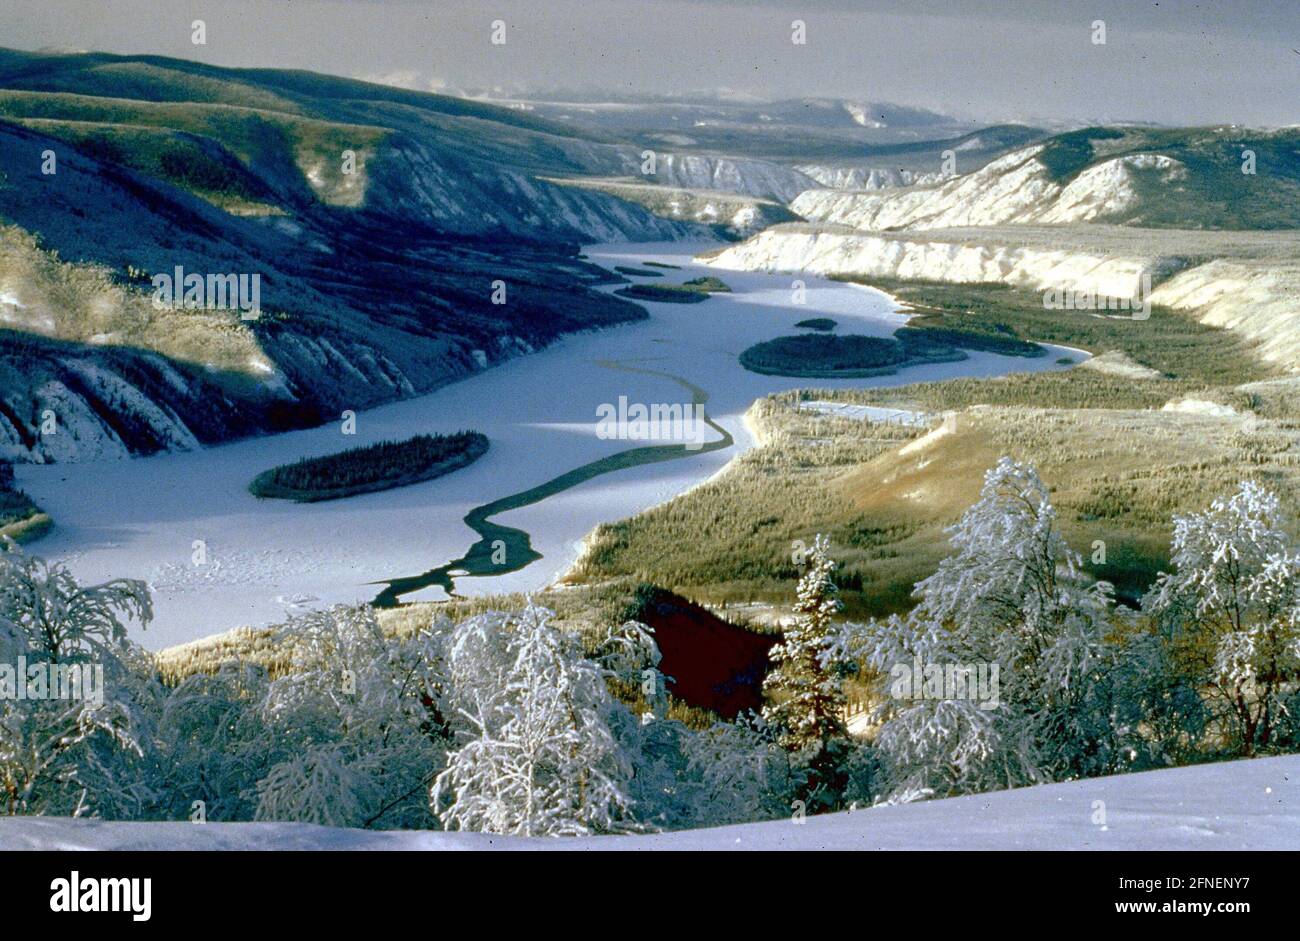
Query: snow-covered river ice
218	558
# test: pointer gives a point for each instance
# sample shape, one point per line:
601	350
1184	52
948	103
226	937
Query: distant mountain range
801	129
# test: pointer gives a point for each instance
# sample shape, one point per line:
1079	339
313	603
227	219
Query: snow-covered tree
1230	610
65	759
1158	706
69	754
538	757
806	689
630	657
1009	601
736	773
628	650
214	744
354	723
46	615
322	784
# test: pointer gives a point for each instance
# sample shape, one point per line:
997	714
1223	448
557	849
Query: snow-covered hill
1238	805
417	181
734	215
375	280
839	252
1017	188
1216	178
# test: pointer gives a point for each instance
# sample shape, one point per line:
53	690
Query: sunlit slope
1169	414
358	307
457	165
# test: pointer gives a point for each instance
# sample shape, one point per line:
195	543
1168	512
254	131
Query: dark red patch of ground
710	664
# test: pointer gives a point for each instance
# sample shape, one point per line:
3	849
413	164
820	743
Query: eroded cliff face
839	177
1259	300
730	174
1017	188
730	215
846	253
1256	297
1093	211
417	181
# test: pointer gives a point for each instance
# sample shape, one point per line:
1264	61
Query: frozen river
217	557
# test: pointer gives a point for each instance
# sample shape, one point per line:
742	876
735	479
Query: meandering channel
503	549
263	561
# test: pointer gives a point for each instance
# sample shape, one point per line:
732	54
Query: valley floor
263	560
1235	805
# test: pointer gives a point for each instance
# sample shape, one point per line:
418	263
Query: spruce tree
806	689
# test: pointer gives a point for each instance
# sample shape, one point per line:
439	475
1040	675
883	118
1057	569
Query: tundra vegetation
1120	464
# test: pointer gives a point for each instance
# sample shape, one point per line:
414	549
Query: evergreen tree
806	690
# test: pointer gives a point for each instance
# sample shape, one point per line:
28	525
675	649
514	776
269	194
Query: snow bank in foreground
1235	805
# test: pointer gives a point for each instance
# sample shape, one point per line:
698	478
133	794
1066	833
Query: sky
1169	62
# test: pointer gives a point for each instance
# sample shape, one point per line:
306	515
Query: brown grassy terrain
1119	463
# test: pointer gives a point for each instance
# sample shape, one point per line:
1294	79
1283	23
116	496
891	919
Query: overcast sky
1171	62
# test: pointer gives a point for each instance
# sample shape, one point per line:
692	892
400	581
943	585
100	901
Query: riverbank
263	561
1159	426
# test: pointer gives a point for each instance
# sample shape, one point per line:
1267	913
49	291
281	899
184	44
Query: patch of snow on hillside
1119	363
732	175
1200	407
875	413
839	253
1107	189
862	117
